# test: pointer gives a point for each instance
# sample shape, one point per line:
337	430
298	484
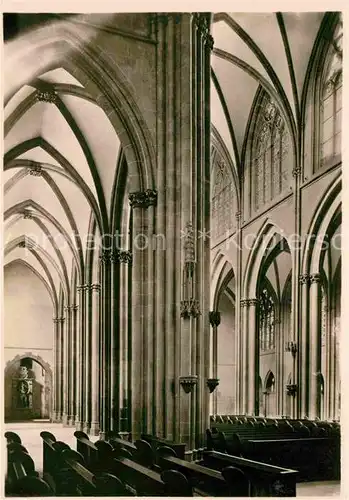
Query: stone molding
304	279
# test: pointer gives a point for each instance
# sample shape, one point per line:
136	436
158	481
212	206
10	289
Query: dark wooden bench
264	479
314	458
22	479
95	455
157	442
231	482
80	481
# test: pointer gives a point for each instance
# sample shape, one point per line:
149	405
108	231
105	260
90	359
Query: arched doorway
28	389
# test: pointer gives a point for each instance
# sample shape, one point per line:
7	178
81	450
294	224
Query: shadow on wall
27	390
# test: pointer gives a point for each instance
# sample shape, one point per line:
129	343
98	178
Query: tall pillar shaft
86	353
66	366
94	365
57	379
252	368
72	365
80	359
303	354
315	346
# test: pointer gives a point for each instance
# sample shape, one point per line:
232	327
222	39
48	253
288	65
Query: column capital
125	256
244	303
81	288
215	318
296	172
143	199
304	279
315	278
72	307
253	302
58	319
238	215
108	255
95	287
190	308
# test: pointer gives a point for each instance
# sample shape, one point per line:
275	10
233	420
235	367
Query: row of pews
150	466
310	447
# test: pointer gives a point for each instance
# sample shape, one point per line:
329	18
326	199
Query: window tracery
222	204
266	321
331	103
270	151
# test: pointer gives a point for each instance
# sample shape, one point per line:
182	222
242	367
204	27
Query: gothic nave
172	221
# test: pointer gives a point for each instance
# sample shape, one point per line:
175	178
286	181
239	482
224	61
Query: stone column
86	356
57	380
66	366
72	367
140	354
253	364
105	361
244	356
303	351
94	365
181	335
314	345
80	359
238	325
125	257
215	321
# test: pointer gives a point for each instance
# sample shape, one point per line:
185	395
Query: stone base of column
102	435
79	425
65	419
94	429
86	427
71	420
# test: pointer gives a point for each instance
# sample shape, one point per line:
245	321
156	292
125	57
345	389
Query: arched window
222	204
266	321
270	151
331	102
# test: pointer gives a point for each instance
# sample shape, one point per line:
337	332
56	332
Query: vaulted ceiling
253	50
61	158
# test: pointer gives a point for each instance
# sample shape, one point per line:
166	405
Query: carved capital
315	278
215	318
252	302
35	170
238	215
143	199
95	287
244	303
58	320
125	257
296	172
304	279
109	256
82	288
46	96
209	42
190	308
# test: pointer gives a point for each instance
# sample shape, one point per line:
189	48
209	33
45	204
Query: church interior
172	254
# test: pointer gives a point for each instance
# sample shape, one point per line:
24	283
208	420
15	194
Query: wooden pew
51	454
22	479
95	454
148	482
80	481
12	437
314	458
264	479
231	482
156	442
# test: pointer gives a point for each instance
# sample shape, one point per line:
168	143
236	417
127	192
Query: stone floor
30	436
